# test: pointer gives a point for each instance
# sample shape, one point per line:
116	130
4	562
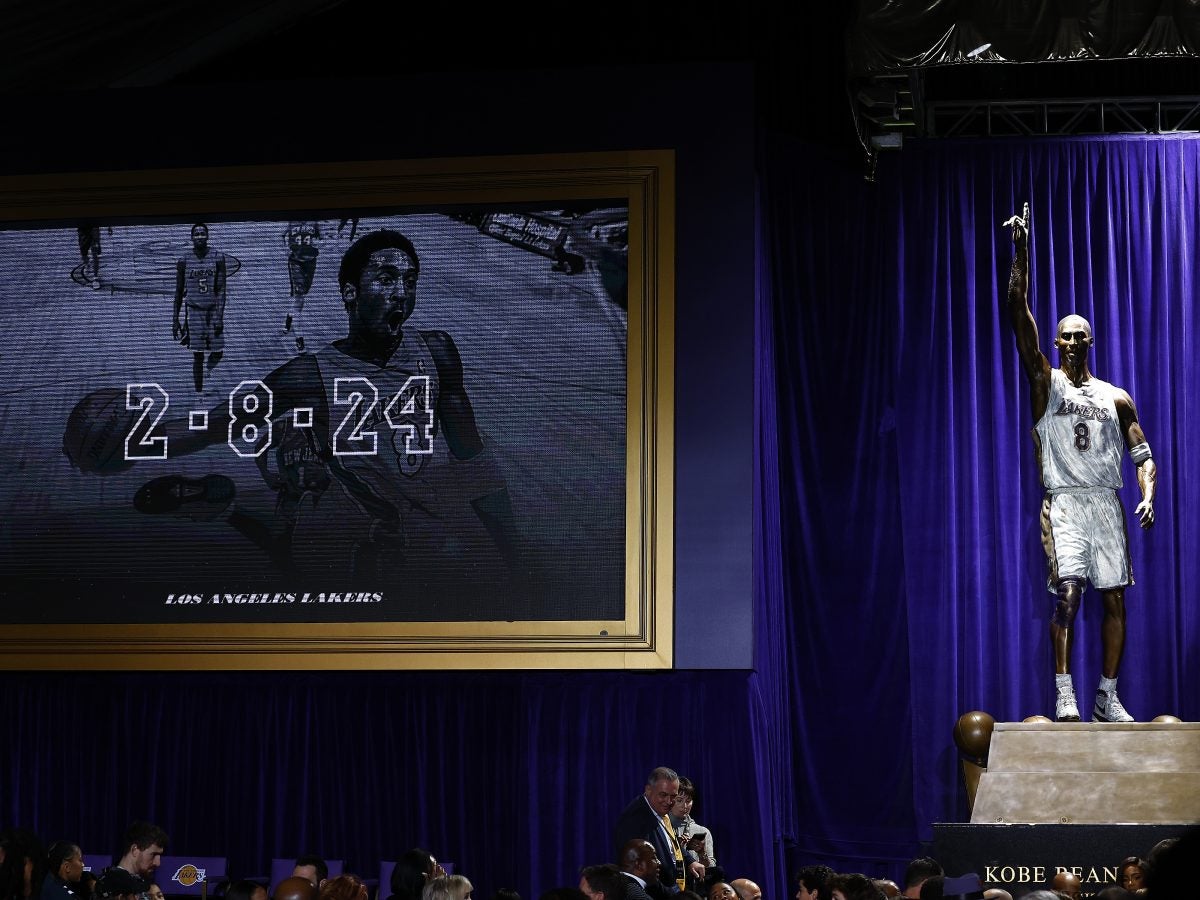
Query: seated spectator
721	890
746	889
142	848
344	887
932	887
602	882
119	884
1066	883
64	867
1131	874
639	866
692	834
1171	869
447	887
296	887
997	894
917	872
313	868
154	892
245	890
22	865
814	883
890	888
413	871
854	886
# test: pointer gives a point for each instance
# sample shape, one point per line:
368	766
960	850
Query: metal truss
1056	117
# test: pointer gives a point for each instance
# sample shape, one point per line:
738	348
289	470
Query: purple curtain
912	572
899	581
515	777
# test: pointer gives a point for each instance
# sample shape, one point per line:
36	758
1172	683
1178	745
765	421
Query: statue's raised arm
1033	361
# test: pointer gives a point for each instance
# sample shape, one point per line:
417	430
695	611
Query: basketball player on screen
302	239
89	252
1080	426
397	460
200	284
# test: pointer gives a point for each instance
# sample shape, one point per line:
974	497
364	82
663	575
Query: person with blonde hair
447	887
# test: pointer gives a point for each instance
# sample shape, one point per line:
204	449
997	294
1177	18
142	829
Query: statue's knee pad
1070	591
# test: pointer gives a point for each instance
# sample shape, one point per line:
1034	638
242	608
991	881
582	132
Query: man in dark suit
648	818
639	867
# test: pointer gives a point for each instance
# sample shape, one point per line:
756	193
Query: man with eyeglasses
648	817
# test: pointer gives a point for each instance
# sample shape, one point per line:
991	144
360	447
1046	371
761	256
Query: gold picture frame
640	639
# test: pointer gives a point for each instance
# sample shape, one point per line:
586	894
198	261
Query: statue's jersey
200	278
1079	436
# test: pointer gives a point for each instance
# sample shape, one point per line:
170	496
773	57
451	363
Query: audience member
932	887
890	888
22	865
997	894
118	883
648	817
87	887
639	865
344	887
245	890
854	886
1171	869
1041	894
313	868
296	887
918	870
446	887
141	850
694	836
746	889
1131	874
154	892
64	866
721	890
814	883
1066	883
413	871
604	882
1115	892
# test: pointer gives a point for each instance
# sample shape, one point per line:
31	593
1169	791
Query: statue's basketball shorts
1083	534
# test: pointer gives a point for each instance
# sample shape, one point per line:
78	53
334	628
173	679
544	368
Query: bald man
746	889
1082	425
639	865
296	887
1067	883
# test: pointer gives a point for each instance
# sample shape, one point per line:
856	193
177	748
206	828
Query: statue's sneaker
1065	707
1108	708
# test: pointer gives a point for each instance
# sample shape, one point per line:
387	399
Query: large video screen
319	417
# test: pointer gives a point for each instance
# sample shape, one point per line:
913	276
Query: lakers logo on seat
187	875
